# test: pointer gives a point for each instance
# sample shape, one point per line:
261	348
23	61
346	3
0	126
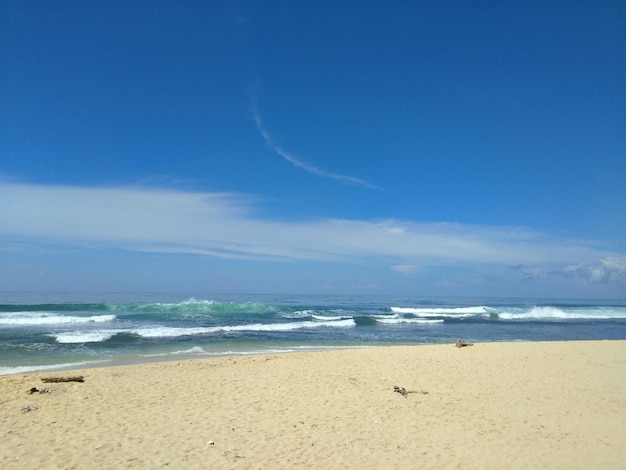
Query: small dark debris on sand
401	390
78	378
404	392
460	344
37	390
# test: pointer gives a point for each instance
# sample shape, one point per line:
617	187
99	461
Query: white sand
490	406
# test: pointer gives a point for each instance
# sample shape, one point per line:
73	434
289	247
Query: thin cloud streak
225	225
301	164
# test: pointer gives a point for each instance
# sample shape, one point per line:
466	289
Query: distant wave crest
173	332
43	318
545	313
452	312
194	306
556	313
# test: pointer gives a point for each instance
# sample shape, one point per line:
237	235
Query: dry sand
490	406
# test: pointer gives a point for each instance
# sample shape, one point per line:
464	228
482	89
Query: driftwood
78	378
460	344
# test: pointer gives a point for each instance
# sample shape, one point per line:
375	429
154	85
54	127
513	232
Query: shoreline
165	358
208	356
523	404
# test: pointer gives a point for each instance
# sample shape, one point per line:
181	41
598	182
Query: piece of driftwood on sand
78	378
460	344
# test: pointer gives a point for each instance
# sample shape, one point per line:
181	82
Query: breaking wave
45	318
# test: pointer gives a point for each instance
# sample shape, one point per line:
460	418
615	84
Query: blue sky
396	147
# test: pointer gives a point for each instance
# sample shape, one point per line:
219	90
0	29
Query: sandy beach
494	405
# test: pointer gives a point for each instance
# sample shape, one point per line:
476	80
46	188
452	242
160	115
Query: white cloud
302	164
609	269
226	225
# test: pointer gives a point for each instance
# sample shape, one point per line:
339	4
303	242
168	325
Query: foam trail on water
398	321
33	368
194	350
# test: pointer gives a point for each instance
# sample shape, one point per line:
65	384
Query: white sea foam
194	350
169	332
192	301
326	318
397	321
292	349
297	314
555	313
44	318
456	312
72	337
33	368
534	313
200	351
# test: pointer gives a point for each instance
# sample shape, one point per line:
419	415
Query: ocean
62	331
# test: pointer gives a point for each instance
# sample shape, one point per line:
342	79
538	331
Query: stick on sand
78	378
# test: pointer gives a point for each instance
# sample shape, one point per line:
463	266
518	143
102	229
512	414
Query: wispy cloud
404	268
226	225
295	161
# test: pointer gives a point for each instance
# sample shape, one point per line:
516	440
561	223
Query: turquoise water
48	331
